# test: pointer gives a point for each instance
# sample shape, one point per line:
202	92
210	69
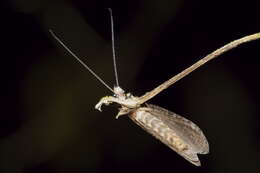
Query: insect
177	132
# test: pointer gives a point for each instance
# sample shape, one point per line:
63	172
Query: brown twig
216	53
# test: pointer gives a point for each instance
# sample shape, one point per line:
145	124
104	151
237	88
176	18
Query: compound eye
115	95
118	91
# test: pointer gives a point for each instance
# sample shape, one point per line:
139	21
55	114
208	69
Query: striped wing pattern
177	132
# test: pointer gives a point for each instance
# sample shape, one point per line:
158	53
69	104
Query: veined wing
175	131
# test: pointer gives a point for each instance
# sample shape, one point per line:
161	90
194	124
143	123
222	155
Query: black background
48	122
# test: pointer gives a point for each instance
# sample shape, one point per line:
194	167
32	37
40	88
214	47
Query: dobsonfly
175	131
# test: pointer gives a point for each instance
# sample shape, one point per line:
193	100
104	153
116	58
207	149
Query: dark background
48	122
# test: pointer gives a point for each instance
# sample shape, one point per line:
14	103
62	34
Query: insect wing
180	134
183	127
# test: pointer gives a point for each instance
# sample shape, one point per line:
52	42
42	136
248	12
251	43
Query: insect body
178	133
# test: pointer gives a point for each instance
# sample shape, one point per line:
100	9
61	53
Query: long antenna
113	45
80	61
